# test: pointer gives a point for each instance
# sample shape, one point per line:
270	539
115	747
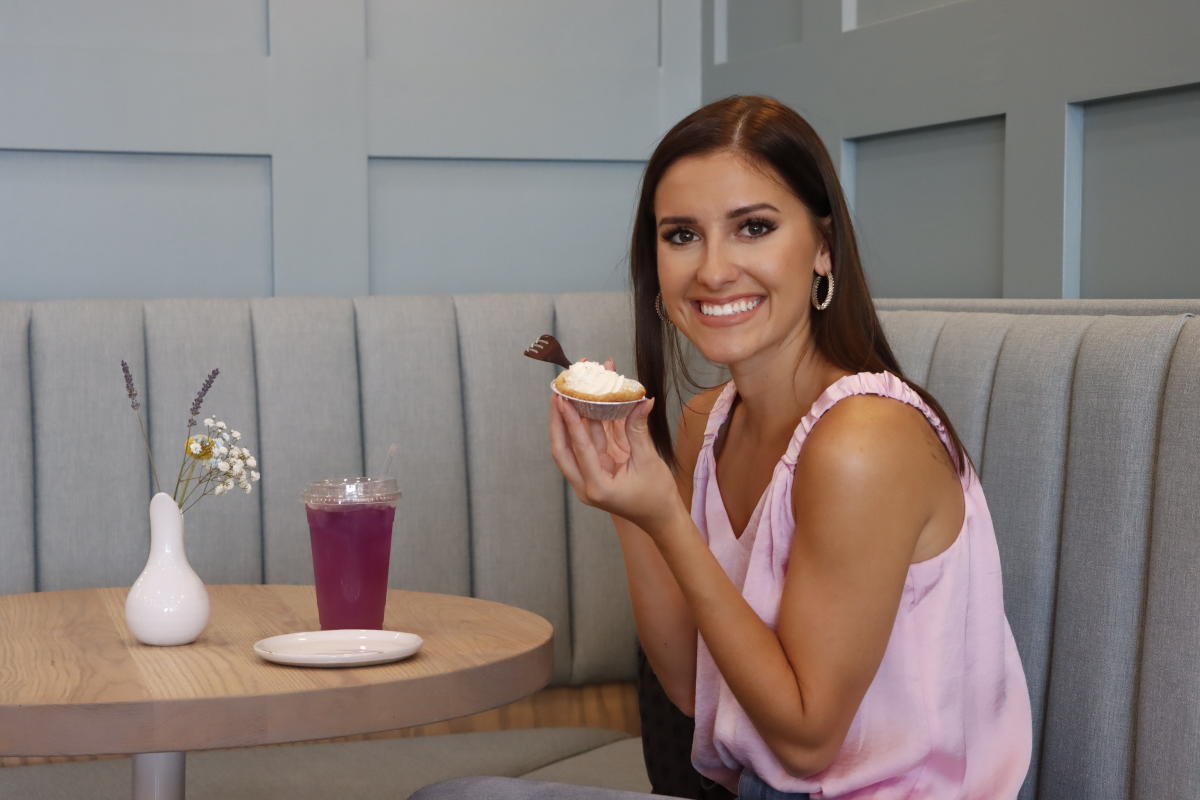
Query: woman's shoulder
876	440
871	425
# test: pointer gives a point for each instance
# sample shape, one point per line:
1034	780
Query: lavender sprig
204	387
130	389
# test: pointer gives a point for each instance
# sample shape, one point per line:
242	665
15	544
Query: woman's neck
774	396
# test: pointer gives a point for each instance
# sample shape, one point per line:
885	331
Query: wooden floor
608	705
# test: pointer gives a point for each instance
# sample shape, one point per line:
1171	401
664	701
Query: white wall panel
130	225
181	26
1141	170
449	226
928	206
536	79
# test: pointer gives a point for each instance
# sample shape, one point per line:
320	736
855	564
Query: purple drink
350	527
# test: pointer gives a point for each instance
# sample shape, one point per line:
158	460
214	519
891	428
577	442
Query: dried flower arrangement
213	463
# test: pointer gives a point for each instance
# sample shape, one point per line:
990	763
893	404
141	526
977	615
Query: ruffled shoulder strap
883	384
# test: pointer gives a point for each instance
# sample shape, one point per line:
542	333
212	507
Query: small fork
547	348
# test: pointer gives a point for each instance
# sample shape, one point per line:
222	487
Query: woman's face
736	256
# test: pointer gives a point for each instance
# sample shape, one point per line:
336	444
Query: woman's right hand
615	466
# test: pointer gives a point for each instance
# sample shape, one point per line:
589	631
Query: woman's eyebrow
737	212
732	215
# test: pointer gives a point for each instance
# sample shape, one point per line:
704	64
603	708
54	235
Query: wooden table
73	681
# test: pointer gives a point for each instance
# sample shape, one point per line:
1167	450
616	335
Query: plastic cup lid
356	489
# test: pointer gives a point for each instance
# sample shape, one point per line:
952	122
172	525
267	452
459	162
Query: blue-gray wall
258	147
1046	148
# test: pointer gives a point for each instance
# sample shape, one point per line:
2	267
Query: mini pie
590	381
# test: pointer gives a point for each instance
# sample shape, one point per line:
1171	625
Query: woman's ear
823	263
824	260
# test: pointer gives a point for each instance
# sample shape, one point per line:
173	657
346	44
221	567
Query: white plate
344	648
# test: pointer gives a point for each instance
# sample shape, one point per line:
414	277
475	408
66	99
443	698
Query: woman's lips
725	320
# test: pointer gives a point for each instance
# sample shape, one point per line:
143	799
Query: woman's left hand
614	465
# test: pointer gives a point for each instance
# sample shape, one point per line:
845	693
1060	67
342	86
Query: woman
821	589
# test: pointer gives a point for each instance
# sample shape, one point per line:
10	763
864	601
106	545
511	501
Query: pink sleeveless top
947	714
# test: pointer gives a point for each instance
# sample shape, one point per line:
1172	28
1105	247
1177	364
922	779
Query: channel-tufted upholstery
1082	416
1085	428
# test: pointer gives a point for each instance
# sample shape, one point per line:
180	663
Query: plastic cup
350	527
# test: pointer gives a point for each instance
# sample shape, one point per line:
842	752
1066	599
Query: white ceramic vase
168	603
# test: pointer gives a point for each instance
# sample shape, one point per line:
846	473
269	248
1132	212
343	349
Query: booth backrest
1083	418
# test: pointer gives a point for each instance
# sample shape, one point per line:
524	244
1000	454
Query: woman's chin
722	353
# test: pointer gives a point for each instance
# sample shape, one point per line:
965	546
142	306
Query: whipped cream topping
590	377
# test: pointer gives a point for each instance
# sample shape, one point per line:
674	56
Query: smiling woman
755	173
812	564
732	273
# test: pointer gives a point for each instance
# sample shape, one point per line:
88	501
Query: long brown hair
768	133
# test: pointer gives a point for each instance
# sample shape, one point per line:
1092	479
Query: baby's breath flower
208	422
237	468
255	476
236	435
223	466
220	489
250	461
199	447
222	425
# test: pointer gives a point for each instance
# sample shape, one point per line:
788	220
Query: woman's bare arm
862	495
665	624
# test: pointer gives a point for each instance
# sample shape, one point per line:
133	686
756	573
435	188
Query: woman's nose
717	269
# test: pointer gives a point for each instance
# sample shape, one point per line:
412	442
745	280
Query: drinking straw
387	467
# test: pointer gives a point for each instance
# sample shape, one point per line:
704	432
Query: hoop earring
818	304
660	309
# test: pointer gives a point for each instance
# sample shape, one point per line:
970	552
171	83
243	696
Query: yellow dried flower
198	447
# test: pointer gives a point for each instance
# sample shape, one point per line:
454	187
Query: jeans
751	787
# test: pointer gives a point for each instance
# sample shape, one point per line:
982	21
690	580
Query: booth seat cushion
614	766
380	768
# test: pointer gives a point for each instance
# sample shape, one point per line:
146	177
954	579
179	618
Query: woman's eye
758	227
680	236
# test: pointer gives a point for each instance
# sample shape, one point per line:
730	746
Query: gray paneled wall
1141	170
1078	184
227	148
134	225
948	244
500	225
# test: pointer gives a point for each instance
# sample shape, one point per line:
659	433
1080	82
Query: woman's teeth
736	307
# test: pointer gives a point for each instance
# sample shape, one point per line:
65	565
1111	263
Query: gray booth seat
1083	418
